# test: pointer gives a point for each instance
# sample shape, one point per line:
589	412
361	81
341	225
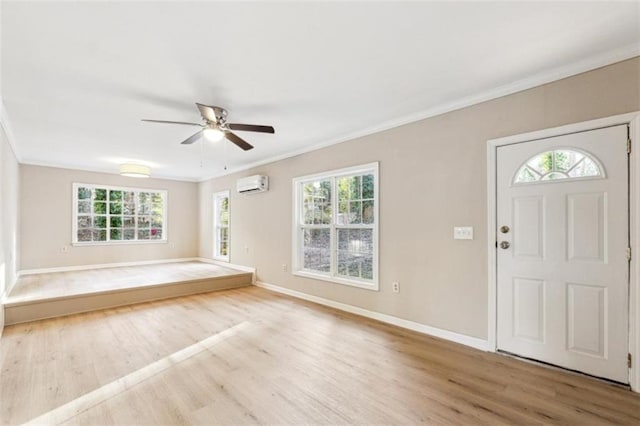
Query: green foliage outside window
353	221
558	164
221	248
105	214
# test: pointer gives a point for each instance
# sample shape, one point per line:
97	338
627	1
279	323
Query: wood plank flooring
57	294
60	284
250	356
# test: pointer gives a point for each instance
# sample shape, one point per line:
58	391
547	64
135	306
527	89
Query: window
221	225
116	215
558	164
336	226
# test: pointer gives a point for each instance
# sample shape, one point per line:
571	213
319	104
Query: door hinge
629	254
629	360
628	145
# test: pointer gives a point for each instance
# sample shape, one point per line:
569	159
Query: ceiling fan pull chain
201	152
224	153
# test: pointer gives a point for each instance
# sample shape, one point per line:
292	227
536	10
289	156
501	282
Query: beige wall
432	178
46	216
9	259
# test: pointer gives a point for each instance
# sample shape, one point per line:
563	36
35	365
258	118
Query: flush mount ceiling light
135	170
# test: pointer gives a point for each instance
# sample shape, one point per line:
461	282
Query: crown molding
559	73
6	126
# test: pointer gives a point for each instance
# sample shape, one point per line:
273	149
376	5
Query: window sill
116	243
371	286
221	258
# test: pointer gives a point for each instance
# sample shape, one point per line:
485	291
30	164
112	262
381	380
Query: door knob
505	245
504	229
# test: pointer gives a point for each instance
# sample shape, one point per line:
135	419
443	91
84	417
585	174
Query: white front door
563	234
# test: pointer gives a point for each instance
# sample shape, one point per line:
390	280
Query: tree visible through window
558	164
337	226
112	214
221	225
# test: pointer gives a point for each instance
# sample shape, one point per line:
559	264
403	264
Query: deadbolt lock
505	245
504	229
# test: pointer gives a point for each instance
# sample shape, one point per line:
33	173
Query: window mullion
302	227
93	212
299	200
316	226
216	230
356	226
333	236
108	216
136	201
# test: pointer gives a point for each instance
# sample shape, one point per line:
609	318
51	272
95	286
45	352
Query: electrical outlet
463	233
395	286
246	249
284	267
64	249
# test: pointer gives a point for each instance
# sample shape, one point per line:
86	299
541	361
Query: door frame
633	120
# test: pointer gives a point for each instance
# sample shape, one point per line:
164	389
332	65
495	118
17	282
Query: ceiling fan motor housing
221	114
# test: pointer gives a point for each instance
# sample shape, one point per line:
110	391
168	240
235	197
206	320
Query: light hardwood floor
56	294
249	356
60	284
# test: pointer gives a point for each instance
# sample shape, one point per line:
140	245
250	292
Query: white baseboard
231	266
463	339
104	265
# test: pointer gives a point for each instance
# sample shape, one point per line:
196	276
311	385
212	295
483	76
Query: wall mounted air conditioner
253	184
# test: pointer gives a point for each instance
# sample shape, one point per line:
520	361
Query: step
20	311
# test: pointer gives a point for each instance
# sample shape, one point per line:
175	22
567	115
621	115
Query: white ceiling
78	77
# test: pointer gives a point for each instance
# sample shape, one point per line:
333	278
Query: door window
558	164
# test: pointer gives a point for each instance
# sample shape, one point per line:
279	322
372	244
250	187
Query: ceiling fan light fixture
216	128
135	170
214	135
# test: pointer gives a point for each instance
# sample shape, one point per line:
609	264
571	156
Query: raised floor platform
48	295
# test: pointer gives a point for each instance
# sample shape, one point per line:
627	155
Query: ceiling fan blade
193	138
238	141
207	112
251	128
173	122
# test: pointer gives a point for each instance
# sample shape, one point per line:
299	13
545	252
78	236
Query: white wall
46	220
9	187
432	178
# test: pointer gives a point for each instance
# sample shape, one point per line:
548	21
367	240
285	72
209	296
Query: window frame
216	218
298	226
109	242
587	155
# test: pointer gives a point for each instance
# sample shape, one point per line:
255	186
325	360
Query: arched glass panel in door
558	164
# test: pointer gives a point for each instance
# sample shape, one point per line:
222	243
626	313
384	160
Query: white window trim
216	196
297	234
74	208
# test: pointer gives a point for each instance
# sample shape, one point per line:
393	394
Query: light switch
463	232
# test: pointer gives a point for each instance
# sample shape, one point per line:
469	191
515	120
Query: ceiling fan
215	127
